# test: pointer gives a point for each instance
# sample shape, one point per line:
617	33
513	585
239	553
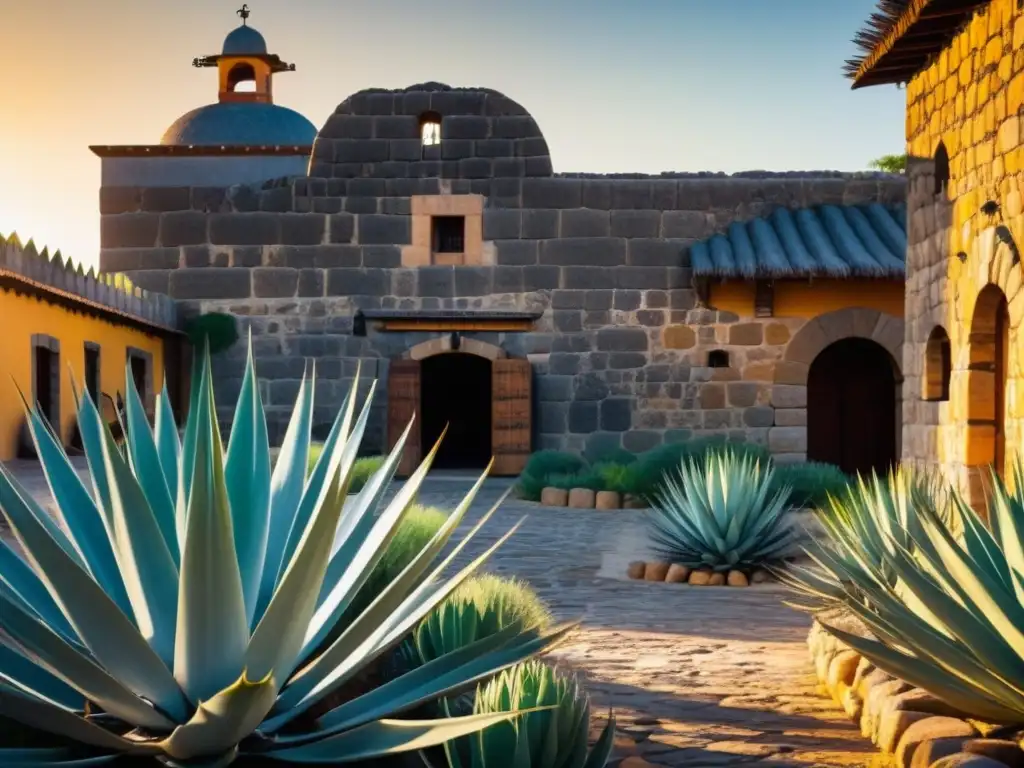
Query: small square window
718	358
448	234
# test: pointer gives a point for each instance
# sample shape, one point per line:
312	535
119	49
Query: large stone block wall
971	99
620	350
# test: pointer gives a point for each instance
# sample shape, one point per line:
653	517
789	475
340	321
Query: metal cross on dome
243	12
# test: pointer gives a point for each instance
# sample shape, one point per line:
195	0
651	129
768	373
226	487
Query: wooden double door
482	407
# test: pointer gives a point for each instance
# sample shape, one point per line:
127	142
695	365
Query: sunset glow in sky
644	86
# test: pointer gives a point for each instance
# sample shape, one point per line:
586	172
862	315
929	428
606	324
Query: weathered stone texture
971	99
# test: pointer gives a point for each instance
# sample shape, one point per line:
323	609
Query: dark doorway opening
851	407
92	372
140	375
46	391
455	390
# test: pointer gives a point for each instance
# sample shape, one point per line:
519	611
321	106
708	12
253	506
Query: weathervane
243	12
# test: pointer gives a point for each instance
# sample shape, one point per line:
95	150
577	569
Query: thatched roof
825	241
902	36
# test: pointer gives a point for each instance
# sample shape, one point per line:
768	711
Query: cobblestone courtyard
696	676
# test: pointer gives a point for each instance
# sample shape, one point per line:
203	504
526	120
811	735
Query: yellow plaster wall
810	299
972	99
24	316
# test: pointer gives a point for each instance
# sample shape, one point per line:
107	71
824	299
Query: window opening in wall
139	366
46	381
941	169
937	365
718	358
242	79
448	234
92	371
430	129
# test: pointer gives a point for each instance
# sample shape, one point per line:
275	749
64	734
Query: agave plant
178	610
555	737
719	512
872	519
948	617
481	607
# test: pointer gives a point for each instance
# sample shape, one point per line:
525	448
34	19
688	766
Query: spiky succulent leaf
70	646
720	513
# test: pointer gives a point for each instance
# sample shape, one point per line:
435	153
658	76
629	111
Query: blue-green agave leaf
247	474
222	722
20	583
148	469
49	757
147	565
278	639
602	749
55	655
18	671
286	486
337	440
212	629
102	626
186	466
168	444
388	737
36	713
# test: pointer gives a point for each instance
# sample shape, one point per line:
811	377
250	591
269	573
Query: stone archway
788	438
988	367
477	386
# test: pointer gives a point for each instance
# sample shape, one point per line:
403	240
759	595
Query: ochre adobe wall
971	99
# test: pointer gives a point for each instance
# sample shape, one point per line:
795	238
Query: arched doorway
851	407
455	391
986	390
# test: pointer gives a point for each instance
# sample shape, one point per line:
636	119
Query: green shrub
617	477
811	483
652	467
552	738
542	466
362	471
544	463
588	478
718	511
217	329
618	456
481	607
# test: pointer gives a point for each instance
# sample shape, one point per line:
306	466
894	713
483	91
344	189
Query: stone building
430	240
963	67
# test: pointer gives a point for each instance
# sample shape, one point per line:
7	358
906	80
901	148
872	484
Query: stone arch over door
788	438
988	350
423	373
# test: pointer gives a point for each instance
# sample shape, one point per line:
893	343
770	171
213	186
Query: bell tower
245	70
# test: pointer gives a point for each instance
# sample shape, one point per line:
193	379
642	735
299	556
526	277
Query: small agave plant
947	615
719	512
554	735
178	610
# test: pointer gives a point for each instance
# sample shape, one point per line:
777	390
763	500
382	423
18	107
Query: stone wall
971	99
620	350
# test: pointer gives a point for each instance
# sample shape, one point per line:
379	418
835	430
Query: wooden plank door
511	415
403	405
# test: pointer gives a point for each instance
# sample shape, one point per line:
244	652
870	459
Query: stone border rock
584	498
917	729
675	573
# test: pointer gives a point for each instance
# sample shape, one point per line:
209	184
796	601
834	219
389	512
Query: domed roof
237	124
244	41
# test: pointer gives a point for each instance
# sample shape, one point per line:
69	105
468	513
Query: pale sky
640	86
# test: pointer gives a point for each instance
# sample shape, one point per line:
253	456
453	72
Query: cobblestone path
696	676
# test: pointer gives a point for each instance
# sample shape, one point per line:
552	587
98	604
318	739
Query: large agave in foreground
180	610
865	525
720	512
554	737
947	614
